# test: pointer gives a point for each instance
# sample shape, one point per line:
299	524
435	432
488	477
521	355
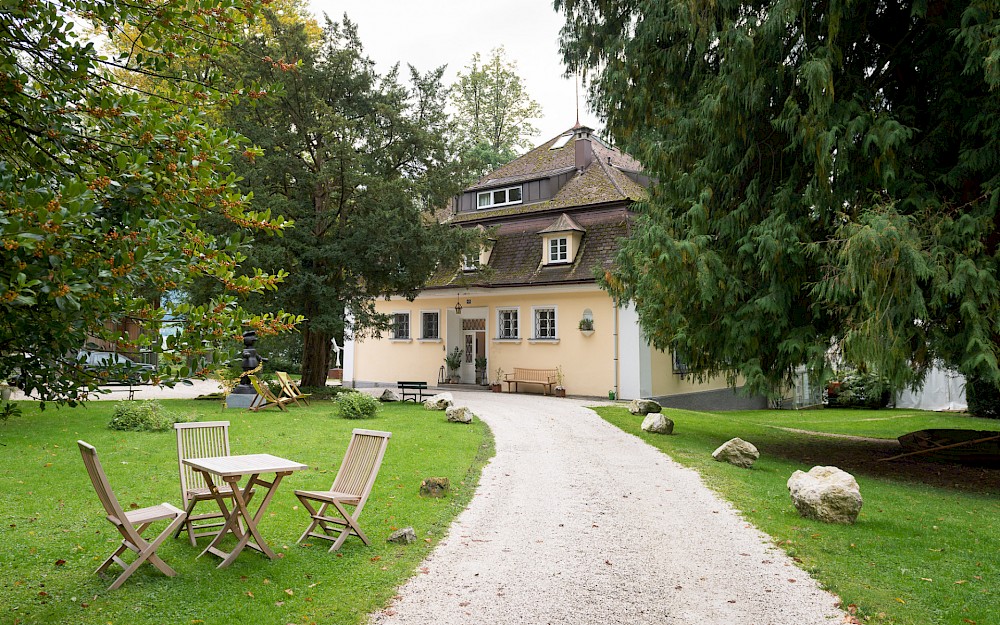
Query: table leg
253	521
231	518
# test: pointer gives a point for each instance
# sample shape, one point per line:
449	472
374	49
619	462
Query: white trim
565	251
409	325
433	338
506	191
496	340
544	341
517	336
555	320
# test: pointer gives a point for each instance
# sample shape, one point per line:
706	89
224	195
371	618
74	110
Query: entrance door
473	346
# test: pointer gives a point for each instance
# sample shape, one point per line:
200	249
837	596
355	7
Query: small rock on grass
737	452
657	424
403	536
459	414
435	487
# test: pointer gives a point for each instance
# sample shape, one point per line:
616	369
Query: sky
431	33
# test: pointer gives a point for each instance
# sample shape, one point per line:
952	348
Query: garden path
577	522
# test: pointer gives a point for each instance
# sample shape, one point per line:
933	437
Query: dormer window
470	263
558	250
498	197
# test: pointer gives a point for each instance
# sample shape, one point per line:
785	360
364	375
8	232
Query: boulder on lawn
737	451
435	487
441	401
459	414
403	536
388	395
644	406
826	494
657	424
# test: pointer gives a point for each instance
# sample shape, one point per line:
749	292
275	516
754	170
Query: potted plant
586	326
560	390
481	370
495	386
453	361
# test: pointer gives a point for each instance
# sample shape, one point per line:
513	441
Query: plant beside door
453	361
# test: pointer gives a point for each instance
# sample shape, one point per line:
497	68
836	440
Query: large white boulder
657	424
826	494
737	451
459	414
441	401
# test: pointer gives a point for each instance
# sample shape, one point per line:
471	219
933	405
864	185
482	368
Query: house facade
555	216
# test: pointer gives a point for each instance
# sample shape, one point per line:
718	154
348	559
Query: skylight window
561	141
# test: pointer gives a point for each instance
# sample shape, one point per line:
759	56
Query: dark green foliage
860	390
357	406
326	392
983	398
827	171
143	416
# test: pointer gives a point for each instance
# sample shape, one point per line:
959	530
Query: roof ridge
612	178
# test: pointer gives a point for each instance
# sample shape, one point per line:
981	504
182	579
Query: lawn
53	532
926	547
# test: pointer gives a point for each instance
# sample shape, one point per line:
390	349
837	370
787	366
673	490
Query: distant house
531	298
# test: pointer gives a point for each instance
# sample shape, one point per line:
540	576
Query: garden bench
545	377
412	389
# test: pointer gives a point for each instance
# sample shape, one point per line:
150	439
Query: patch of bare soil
860	456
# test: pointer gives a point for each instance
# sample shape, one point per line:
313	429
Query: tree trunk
315	357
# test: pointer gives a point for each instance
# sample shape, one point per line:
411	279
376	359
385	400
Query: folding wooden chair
130	524
206	439
265	398
351	487
290	389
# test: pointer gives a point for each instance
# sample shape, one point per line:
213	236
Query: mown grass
53	533
920	554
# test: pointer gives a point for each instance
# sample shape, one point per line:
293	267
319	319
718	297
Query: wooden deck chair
200	440
290	389
351	487
265	398
130	524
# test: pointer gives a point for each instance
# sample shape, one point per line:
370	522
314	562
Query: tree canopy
494	110
103	184
361	162
828	174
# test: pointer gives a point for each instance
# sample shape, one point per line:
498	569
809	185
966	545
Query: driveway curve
577	522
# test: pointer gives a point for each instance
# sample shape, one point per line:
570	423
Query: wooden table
231	469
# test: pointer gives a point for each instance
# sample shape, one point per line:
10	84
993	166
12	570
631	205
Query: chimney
584	148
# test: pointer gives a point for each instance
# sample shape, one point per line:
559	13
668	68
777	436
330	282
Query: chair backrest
262	389
361	463
100	482
204	439
287	384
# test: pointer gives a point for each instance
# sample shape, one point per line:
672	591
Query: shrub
357	406
142	416
983	398
326	392
861	390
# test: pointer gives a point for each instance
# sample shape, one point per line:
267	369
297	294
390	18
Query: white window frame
517	323
491	198
395	324
534	323
423	326
559	250
470	263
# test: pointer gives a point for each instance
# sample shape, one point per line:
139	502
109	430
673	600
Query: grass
53	532
926	547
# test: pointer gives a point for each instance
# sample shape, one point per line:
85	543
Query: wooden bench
416	389
545	377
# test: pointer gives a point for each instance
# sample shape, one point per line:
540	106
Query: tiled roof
565	223
516	259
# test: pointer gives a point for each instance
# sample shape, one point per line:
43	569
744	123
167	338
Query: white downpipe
618	391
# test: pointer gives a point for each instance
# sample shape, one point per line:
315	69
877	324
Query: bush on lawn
143	416
983	398
356	405
861	390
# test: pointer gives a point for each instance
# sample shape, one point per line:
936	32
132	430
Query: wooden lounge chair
290	389
130	524
206	439
265	398
351	487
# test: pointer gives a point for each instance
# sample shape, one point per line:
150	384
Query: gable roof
565	223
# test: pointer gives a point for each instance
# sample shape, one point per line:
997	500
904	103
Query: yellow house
531	298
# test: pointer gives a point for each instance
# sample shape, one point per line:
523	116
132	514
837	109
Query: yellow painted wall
666	382
587	362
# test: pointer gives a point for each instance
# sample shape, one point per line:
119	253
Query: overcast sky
431	33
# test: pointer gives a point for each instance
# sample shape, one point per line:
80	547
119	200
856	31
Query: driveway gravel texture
577	522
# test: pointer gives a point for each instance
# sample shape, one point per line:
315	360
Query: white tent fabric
943	390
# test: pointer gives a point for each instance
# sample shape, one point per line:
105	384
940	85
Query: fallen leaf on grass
60	562
289	592
250	594
961	581
279	603
927	579
900	600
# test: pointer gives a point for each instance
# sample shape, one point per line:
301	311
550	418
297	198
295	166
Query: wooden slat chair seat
265	398
351	487
204	439
290	389
130	524
545	377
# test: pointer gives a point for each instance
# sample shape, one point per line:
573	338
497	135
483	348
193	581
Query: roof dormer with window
561	241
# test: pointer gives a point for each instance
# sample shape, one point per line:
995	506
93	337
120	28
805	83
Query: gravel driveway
577	522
